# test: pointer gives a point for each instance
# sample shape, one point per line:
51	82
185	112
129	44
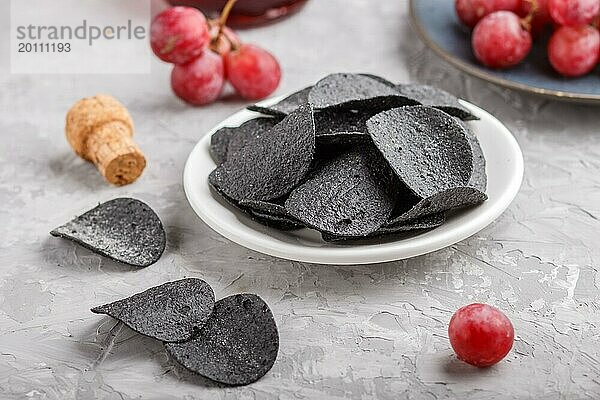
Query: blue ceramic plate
439	27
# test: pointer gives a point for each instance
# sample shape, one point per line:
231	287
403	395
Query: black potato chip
380	80
271	214
437	98
171	312
285	106
274	221
265	207
426	222
449	199
123	229
478	176
281	222
238	344
350	195
427	148
229	140
219	142
355	91
272	165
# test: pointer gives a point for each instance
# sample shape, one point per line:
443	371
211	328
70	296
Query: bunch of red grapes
505	29
206	54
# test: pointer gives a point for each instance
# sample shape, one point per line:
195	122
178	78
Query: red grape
574	51
499	40
573	12
179	34
471	12
252	71
480	335
201	80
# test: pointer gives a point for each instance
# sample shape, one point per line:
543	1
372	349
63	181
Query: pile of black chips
354	156
233	341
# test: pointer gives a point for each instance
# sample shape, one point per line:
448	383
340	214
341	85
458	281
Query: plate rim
356	255
486	76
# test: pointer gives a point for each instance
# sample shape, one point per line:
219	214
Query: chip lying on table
354	157
233	341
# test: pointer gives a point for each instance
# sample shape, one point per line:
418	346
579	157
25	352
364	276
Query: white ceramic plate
504	170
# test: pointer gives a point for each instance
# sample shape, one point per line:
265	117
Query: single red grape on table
480	335
500	41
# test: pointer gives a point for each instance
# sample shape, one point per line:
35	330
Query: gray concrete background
360	332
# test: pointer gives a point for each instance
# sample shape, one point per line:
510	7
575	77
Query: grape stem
225	15
526	22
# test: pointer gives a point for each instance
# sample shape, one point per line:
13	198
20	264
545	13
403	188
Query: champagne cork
100	130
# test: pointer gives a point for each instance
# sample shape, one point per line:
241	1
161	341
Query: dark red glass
246	13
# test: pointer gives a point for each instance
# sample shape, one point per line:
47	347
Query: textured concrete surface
360	332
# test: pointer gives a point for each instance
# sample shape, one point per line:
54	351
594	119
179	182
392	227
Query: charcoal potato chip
271	214
427	148
380	80
350	195
123	229
437	98
420	224
272	165
273	221
265	207
478	176
285	106
231	139
283	223
449	199
426	222
355	91
219	142
238	344
171	312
